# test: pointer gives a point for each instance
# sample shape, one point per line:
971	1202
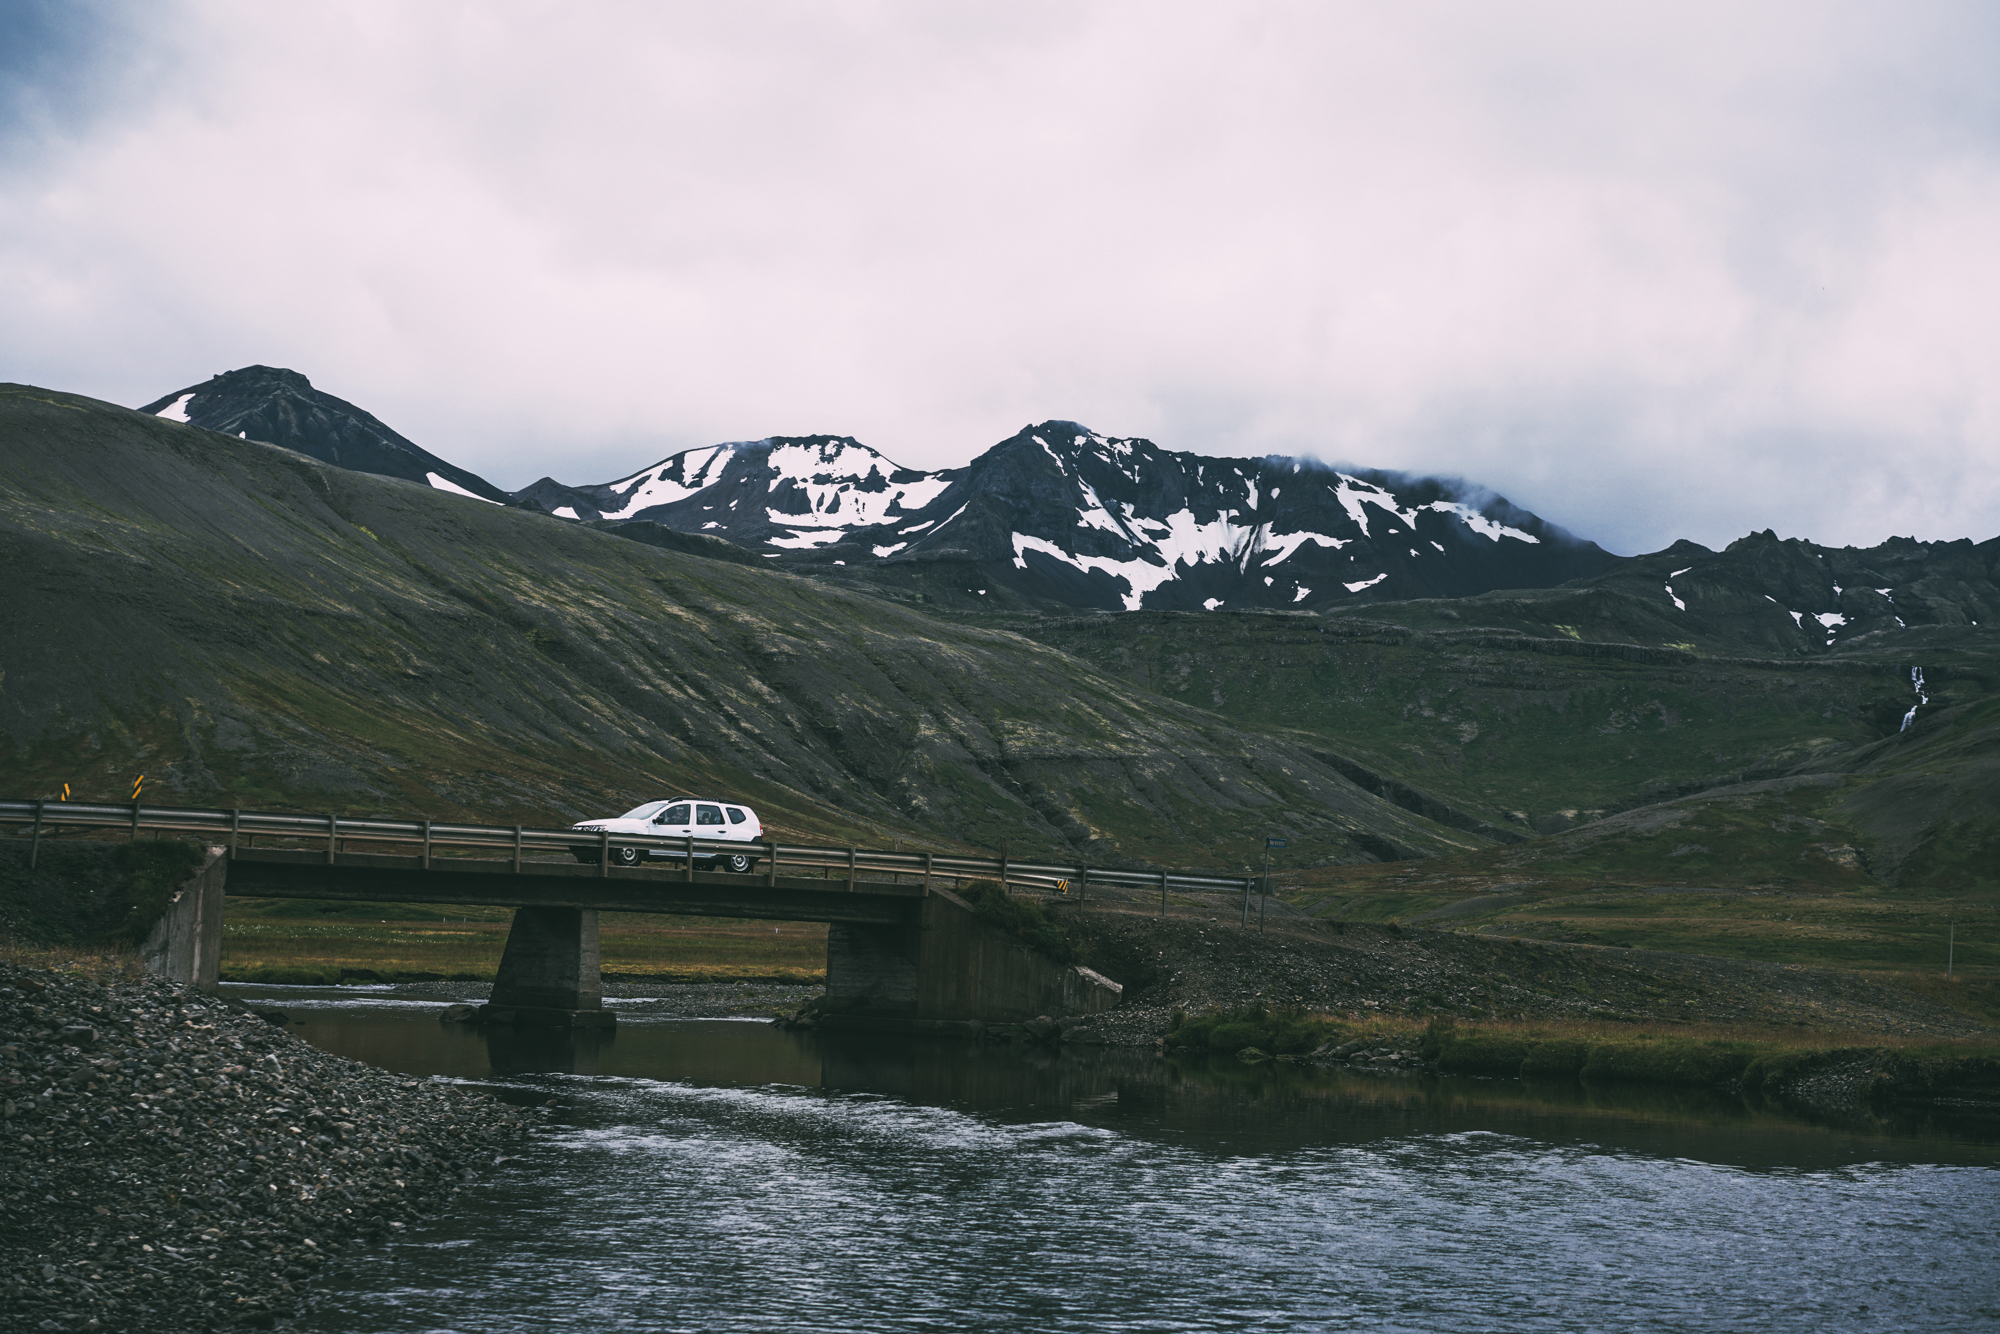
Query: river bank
170	1161
1395	1000
1188	965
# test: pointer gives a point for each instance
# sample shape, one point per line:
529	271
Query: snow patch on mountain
177	411
446	484
1063	514
1141	576
1279	548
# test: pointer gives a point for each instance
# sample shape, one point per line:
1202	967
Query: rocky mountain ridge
1059	518
1063	517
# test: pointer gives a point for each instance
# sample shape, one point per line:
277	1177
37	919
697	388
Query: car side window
708	815
735	816
674	815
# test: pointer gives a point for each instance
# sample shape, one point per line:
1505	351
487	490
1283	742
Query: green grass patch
1714	1058
1022	918
1277	1032
1709	1059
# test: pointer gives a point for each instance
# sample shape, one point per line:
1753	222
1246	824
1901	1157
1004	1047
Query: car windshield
644	812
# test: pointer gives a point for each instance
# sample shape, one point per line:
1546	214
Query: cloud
1651	271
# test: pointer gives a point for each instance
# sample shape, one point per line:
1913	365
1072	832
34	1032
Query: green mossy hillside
243	624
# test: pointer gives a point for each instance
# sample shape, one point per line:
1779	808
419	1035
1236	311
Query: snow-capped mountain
784	494
1795	596
1060	514
281	407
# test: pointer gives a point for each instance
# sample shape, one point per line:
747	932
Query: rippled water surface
718	1175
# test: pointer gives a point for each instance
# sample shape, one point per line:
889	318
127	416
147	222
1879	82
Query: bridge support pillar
872	970
549	974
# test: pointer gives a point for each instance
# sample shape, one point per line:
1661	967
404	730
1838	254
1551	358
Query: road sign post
1264	899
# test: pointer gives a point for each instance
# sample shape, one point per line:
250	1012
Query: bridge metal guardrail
242	828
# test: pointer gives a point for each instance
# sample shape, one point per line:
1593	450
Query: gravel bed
170	1161
709	1000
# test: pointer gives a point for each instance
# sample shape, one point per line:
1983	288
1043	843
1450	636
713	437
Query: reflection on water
1217	1102
732	1176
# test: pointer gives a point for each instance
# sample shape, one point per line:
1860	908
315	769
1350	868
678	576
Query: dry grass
99	963
631	945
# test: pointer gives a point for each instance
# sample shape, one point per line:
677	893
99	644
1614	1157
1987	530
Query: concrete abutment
185	944
948	972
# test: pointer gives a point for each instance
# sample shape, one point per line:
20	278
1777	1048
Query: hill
240	621
281	407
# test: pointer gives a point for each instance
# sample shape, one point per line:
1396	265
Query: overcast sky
1652	271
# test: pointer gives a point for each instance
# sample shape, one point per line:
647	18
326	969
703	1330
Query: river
724	1175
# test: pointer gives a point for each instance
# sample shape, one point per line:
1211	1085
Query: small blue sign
1274	843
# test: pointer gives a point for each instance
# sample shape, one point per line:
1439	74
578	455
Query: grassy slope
1513	726
245	624
1870	863
1772	871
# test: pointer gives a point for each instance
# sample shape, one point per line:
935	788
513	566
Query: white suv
682	817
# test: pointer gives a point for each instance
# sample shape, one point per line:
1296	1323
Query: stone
148	1135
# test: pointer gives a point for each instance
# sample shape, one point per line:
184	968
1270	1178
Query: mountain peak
280	406
1058	514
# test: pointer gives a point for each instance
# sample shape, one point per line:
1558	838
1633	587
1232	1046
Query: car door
675	821
708	822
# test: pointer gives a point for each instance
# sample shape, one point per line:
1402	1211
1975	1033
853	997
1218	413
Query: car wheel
626	856
735	863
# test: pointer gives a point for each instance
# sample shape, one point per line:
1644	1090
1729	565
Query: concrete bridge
904	952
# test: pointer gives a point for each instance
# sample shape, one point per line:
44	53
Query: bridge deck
289	874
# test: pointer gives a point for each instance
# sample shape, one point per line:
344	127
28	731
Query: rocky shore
170	1161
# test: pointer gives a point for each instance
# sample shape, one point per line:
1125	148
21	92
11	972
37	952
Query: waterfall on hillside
1916	684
